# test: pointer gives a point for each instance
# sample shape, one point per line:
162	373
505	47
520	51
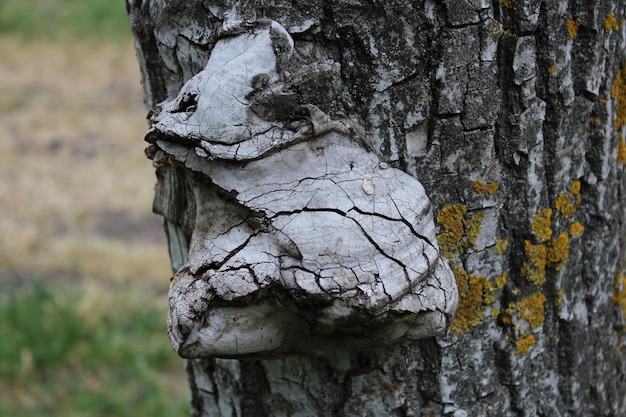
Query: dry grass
71	161
75	203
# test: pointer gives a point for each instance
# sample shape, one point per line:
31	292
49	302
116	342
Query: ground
75	196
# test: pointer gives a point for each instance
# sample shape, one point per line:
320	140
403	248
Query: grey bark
511	115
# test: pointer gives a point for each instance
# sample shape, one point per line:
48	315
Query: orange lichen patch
472	228
610	22
498	283
487	189
501	245
547	254
576	228
459	229
507	3
545	251
541	224
451	220
618	93
558	251
619	291
529	309
603	100
494	27
476	293
559	298
572	28
552	69
595	122
567	203
621	150
535	269
524	343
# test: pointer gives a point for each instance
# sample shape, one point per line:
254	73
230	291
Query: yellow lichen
459	230
559	298
500	281
619	291
576	228
529	309
558	251
524	343
507	3
567	203
548	254
476	293
535	269
595	121
618	93
494	27
541	225
501	245
487	189
472	228
610	22
621	150
552	69
545	251
572	28
451	220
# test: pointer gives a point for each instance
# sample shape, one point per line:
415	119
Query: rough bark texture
512	115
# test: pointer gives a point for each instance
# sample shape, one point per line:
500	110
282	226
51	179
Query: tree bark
512	115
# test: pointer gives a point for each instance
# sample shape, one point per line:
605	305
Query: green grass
65	19
71	351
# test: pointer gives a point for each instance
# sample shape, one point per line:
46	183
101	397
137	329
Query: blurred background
84	268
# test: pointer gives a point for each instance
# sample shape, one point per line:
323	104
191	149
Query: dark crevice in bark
141	25
255	390
555	111
197	403
174	198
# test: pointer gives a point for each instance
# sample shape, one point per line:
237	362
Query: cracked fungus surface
299	230
324	218
344	254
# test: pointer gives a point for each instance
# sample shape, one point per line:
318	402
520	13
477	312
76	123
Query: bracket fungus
303	241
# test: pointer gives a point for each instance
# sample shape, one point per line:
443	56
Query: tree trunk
512	116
